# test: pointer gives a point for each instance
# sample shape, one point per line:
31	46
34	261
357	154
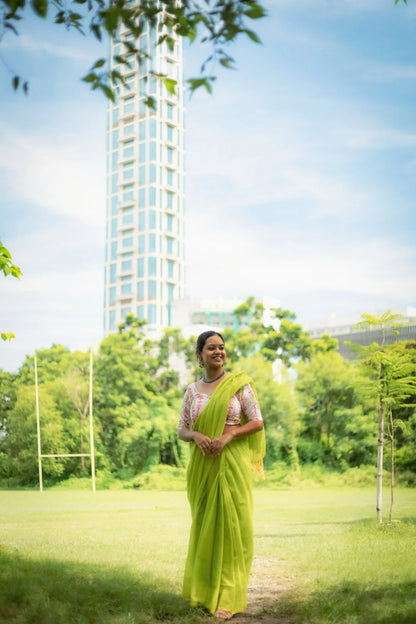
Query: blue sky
301	171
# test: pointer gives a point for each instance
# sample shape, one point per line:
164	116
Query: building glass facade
145	199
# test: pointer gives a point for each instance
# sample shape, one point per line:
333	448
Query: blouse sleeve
249	403
185	416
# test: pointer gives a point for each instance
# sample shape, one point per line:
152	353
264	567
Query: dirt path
267	583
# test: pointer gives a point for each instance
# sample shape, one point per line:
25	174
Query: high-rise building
144	265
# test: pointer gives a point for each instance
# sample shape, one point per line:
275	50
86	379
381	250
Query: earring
201	363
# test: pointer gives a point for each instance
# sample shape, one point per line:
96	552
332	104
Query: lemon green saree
219	491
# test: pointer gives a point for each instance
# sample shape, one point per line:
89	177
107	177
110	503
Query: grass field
117	557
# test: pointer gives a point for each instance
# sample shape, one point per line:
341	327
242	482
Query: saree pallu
220	495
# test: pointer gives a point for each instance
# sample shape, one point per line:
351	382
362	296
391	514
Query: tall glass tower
144	260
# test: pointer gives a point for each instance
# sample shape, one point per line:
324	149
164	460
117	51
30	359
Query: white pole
92	430
38	425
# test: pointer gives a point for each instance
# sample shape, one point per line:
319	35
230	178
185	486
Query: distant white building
342	328
144	252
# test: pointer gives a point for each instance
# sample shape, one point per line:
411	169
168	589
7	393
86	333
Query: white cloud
63	175
29	44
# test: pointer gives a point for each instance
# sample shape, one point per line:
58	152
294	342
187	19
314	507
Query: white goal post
90	454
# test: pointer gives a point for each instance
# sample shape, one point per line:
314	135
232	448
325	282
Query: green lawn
117	557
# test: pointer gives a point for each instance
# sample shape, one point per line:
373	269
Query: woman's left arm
235	431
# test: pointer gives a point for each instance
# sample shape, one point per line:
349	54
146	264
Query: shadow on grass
351	603
51	592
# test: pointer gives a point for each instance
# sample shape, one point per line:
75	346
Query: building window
170	291
114	161
142	220
124	312
128	171
128	105
114	250
115	134
169	245
152	150
128	130
114	183
140	267
113	273
128	195
169	223
114	228
126	265
169	154
170	133
169	111
142	175
152	174
170	268
140	312
169	177
128	149
142	244
152	219
169	200
151	289
115	116
128	217
140	290
152	243
152	266
114	205
151	313
152	196
126	289
112	320
142	153
152	129
112	294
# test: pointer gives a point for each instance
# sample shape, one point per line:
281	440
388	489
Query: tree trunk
391	465
380	461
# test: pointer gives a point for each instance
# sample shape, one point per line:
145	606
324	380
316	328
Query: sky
300	171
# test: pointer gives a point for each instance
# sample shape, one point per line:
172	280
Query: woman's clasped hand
208	446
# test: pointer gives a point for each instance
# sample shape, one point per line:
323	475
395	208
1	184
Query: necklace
212	380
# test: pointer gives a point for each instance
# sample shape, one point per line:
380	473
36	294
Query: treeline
317	406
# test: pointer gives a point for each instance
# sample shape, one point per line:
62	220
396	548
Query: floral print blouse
243	401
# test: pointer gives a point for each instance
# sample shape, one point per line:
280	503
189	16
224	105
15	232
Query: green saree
219	491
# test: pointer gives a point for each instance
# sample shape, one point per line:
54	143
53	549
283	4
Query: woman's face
213	352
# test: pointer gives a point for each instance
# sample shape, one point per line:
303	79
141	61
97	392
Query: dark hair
202	338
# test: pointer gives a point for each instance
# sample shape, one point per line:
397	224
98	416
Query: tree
391	384
337	422
216	22
7	267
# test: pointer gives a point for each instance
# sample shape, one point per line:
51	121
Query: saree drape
219	488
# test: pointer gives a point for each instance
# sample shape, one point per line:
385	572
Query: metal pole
38	425
92	430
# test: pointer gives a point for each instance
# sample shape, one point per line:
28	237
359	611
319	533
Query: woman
221	416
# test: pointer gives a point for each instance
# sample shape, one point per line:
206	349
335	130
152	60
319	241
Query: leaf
7	336
170	85
150	102
8	25
253	36
226	62
96	30
40	7
15	82
255	11
90	77
99	63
